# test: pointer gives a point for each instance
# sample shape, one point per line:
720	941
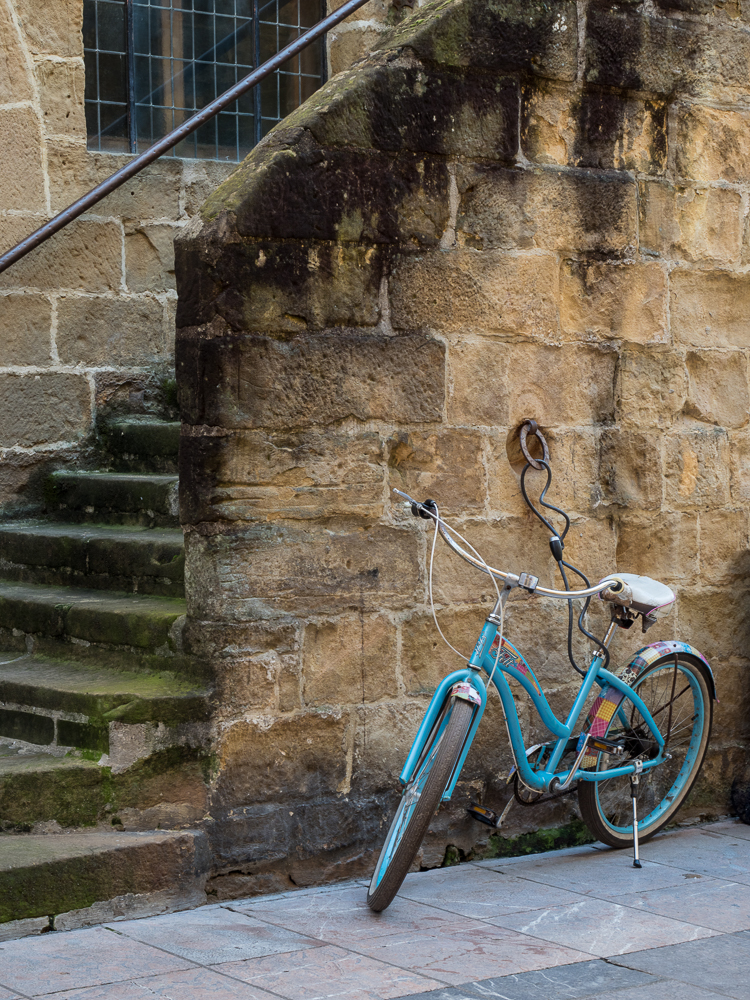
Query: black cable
562	563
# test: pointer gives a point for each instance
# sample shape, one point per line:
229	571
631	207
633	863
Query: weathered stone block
149	258
652	386
199	179
709	144
74	170
291	189
725	541
593	128
350	661
25	321
285	287
297	570
248	382
259	476
425	658
61	85
665	57
53	28
382	740
103	332
301	757
624	301
409	105
663	546
490	292
693	223
346	47
739	452
576	472
539	38
41	409
715	620
86	255
581	210
445	465
503	384
718	390
247	685
710	308
518	544
697	469
15	77
630	469
22	181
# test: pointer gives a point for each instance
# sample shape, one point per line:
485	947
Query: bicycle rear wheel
678	696
419	803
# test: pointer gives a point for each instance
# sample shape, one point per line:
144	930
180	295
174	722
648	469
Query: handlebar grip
619	593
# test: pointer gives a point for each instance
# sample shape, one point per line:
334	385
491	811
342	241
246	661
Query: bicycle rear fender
609	700
442	693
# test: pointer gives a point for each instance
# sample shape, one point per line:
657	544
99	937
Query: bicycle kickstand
634	781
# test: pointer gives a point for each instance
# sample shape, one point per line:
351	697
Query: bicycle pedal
487	816
604	745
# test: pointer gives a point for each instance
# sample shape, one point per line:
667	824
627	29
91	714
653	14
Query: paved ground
569	924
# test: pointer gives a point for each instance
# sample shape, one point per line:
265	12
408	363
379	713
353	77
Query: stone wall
87	321
510	209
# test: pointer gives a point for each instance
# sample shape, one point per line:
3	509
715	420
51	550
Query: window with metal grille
150	64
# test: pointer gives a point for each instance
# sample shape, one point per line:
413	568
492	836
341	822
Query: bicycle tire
684	722
418	805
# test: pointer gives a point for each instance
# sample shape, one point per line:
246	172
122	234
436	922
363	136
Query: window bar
256	62
132	131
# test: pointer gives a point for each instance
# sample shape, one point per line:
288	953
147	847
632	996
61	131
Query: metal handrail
111	184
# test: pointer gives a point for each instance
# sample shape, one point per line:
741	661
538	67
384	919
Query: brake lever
427	510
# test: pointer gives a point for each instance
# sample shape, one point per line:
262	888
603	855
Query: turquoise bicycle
642	743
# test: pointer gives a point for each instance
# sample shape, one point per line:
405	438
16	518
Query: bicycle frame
512	663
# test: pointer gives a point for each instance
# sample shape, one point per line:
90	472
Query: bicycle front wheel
677	694
419	803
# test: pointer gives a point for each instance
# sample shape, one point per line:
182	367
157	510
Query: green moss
572	834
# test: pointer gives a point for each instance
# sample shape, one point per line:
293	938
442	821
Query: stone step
113	498
105	557
38	787
77	879
32	613
141	444
151	785
54	703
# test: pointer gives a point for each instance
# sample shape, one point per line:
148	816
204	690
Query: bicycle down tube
537	780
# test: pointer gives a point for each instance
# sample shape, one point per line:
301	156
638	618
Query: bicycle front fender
431	716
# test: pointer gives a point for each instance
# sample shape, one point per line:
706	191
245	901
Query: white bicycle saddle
649	597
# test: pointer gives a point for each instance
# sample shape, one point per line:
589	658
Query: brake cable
557	540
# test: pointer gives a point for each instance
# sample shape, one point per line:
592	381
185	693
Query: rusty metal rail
137	164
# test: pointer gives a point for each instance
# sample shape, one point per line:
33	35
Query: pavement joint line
583	896
470	986
15	992
362	954
136	979
670	979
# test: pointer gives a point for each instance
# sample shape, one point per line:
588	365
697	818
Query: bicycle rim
678	697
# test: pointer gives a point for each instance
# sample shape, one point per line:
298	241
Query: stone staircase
103	715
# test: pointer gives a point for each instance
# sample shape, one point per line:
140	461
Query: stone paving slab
579	924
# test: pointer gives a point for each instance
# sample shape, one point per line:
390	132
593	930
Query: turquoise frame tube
483	659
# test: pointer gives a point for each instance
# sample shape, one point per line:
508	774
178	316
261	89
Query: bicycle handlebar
431	513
